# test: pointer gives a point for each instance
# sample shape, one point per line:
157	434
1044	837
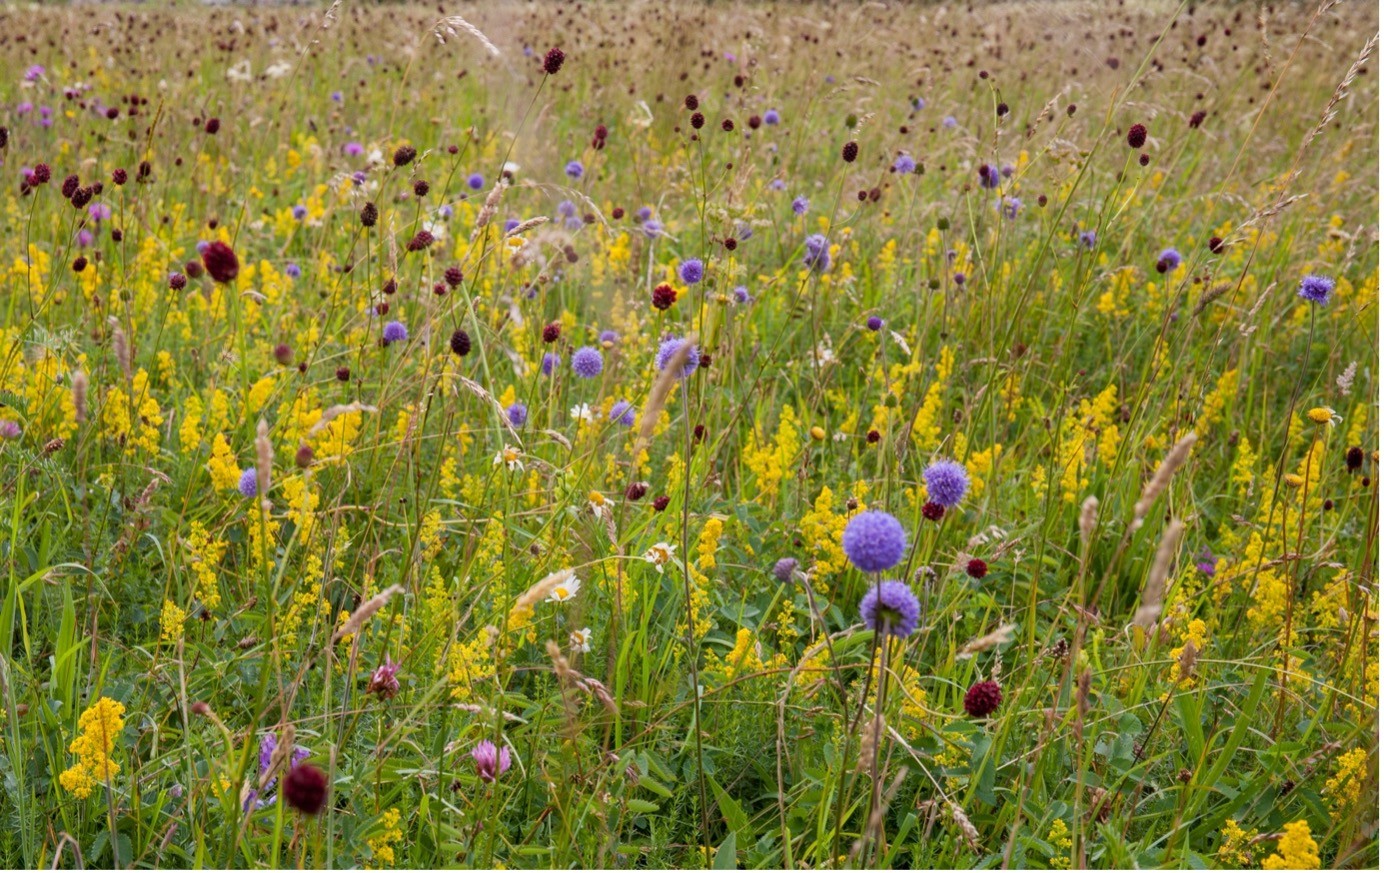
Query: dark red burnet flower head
933	511
221	263
41	173
305	788
1196	119
1137	135
461	343
1216	245
977	568
664	296
1355	458
983	698
404	155
850	151
551	331
552	61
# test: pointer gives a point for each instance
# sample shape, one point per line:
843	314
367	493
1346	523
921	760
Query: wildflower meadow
689	435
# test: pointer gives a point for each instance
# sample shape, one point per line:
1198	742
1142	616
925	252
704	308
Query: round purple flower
609	337
691	271
949	122
517	413
353	148
551	361
989	176
587	362
1011	206
874	541
947	482
741	294
475	181
293	271
874	322
1087	239
395	332
10	429
652	228
99	212
249	482
511	224
778	185
643	213
1169	259
817	254
1316	289
890	607
567	209
623	412
783	569
299	212
574	169
491	763
904	163
800	204
669	347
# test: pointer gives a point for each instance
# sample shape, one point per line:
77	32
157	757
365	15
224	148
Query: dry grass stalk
1162	477
1155	586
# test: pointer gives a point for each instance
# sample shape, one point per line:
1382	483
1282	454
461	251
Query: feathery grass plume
491	205
1162	477
658	395
79	395
452	23
997	637
526	226
264	461
543	587
968	830
120	344
478	390
1155	586
1347	378
334	411
1090	508
364	612
1209	296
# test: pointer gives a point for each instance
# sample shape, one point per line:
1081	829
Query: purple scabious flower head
669	347
475	181
904	163
99	212
1007	170
300	212
85	237
771	117
949	122
1087	239
574	169
338	97
741	294
567	209
652	229
34	73
947	482
511	224
800	205
783	569
517	413
1010	206
643	213
491	763
959	279
691	271
1169	259
551	361
778	185
890	607
1316	289
874	541
989	176
917	103
249	483
353	148
623	412
1207	564
358	178
609	337
874	322
817	253
587	362
201	246
395	332
293	271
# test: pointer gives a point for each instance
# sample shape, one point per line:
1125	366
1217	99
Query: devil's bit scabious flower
817	253
874	541
691	271
989	176
1168	259
249	483
551	361
783	569
552	61
491	763
905	163
800	205
574	169
623	412
305	789
517	413
890	607
982	699
587	362
874	322
395	332
221	263
669	347
1316	289
947	482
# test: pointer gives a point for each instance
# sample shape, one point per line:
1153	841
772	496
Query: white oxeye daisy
583	412
580	640
598	502
565	590
509	456
660	554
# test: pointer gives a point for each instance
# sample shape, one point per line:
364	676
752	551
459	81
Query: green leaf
725	855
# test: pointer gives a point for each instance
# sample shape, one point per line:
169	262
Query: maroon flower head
461	343
983	699
1136	136
41	174
221	263
212	126
976	568
552	61
850	151
404	155
664	296
933	511
305	789
1216	245
551	331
